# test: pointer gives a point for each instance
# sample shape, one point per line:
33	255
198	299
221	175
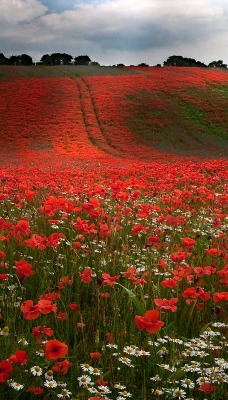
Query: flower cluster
113	255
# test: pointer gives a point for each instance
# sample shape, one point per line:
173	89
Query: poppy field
114	235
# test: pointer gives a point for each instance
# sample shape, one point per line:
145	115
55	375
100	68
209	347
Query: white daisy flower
49	375
104	389
84	380
50	384
157	392
15	385
187	383
85	367
179	393
156	378
95	371
125	394
36	370
64	394
163	351
119	386
125	360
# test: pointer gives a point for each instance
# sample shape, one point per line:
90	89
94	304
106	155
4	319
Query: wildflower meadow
114	235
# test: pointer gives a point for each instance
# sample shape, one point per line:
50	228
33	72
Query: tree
143	65
61	58
217	64
15	60
4	60
23	59
26	59
46	59
56	59
175	61
179	61
82	60
95	64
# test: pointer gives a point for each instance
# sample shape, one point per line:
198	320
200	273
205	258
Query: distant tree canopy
143	64
217	64
179	61
67	59
82	60
56	59
4	60
22	59
64	59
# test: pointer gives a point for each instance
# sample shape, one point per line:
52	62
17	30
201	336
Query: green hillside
186	121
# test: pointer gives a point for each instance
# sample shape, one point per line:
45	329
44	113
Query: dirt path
91	121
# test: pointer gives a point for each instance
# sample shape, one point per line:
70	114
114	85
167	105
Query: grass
59	71
179	122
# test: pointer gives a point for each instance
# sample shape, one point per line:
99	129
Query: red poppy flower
95	355
23	269
162	263
62	367
81	325
220	296
50	296
96	398
214	251
138	228
36	241
86	275
131	271
54	239
201	271
77	244
149	322
35	390
169	283
30	310
109	280
101	382
65	280
5	370
195	293
110	337
178	256
41	330
166	304
73	306
2	254
4	277
207	388
19	357
105	295
153	239
46	306
55	349
62	316
188	242
23	226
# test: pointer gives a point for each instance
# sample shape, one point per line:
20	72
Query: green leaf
138	305
203	329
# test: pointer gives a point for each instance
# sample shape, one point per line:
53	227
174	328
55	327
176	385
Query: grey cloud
124	26
15	11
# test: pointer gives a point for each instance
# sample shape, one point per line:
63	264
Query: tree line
179	61
46	59
67	59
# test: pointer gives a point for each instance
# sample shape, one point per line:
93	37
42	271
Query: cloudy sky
116	31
